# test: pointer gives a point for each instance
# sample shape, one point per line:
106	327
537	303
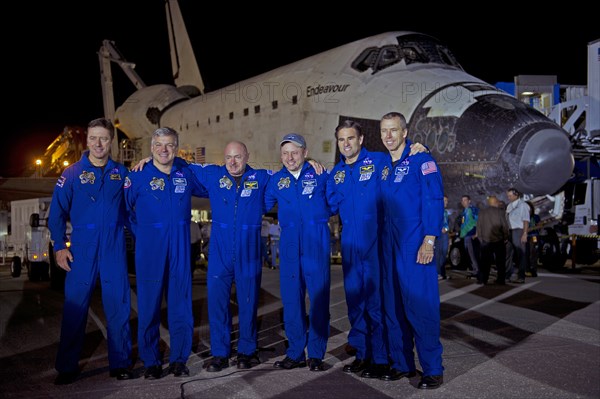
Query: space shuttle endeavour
484	140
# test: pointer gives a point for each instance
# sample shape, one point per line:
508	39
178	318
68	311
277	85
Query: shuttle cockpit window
388	56
366	59
411	48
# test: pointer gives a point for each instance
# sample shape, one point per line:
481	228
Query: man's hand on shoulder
319	168
416	148
140	165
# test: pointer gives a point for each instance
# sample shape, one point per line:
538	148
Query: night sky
51	67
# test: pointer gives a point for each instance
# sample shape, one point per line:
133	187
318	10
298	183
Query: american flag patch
428	167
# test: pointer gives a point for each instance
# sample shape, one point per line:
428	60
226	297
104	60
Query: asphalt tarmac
540	339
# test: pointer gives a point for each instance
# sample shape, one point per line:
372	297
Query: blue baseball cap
293	138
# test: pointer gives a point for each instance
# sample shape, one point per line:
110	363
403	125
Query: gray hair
165	131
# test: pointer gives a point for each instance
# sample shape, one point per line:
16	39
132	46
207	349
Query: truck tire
15	266
550	254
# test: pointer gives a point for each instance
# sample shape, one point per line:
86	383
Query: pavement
540	339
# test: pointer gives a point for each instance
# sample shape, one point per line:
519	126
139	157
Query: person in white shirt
517	213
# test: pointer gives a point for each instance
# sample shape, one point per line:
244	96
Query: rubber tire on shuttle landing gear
15	266
458	256
455	258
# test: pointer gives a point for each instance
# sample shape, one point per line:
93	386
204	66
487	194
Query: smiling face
293	156
393	134
236	158
349	143
98	142
164	149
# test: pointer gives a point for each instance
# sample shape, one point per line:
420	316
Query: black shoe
121	374
288	363
431	381
356	366
66	378
217	364
315	364
179	369
498	282
393	374
153	373
375	371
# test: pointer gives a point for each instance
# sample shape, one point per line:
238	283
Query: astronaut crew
237	206
412	196
91	197
159	203
353	191
304	247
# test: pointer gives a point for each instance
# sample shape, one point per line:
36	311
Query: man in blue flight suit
159	200
413	201
304	252
89	193
353	190
236	193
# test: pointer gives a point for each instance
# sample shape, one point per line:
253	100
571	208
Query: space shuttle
484	140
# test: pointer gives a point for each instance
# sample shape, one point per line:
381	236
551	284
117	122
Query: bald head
236	158
493	201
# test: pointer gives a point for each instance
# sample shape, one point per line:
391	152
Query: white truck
25	241
575	235
583	231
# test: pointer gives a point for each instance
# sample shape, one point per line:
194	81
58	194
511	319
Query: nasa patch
61	181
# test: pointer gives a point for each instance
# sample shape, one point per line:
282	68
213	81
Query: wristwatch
430	241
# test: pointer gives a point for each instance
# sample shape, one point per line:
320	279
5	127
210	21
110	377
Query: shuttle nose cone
546	164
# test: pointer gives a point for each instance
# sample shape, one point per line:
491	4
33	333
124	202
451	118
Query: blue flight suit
304	258
413	202
235	253
353	191
160	213
91	197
